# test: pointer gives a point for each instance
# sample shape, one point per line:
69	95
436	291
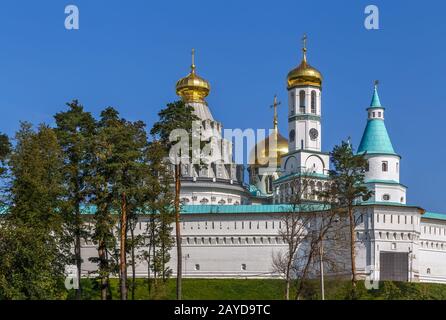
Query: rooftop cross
193	61
275	105
304	47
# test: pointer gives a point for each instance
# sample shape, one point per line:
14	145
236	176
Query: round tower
383	171
304	85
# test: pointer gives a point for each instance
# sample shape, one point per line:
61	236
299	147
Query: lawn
268	289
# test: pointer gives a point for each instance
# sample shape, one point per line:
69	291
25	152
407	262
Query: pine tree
75	130
160	203
177	115
348	187
123	171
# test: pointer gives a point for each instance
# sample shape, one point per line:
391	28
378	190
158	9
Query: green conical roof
375	138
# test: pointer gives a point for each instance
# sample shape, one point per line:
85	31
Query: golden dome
304	74
260	154
193	88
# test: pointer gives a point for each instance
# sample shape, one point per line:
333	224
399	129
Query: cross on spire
275	105
304	47
193	61
376	83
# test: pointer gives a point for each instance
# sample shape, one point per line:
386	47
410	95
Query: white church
231	229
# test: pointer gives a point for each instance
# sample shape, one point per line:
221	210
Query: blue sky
129	54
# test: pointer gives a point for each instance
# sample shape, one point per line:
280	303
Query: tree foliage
32	243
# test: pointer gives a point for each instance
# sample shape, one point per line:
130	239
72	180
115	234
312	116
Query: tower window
313	102
397	167
293	103
367	167
386	197
302	144
385	166
379	114
302	101
292	135
269	184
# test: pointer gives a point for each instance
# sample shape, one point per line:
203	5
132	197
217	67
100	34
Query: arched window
313	102
428	271
293	103
386	197
302	101
385	166
292	135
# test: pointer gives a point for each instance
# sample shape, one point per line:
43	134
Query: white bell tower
304	85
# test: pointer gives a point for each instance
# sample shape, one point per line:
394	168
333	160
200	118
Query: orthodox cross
193	60
304	46
275	105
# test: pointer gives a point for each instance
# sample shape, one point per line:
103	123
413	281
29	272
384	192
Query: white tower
304	120
383	172
221	181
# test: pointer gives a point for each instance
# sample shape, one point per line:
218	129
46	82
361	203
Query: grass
268	289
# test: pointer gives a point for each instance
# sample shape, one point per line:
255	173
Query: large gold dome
193	88
304	74
260	154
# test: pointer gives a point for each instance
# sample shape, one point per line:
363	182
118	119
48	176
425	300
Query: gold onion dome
193	88
260	154
304	74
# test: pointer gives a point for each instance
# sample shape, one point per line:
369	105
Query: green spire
375	100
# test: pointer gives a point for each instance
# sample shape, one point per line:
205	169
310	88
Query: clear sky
129	54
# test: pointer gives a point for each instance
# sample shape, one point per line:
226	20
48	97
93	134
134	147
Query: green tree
32	243
176	115
161	215
123	169
348	187
75	130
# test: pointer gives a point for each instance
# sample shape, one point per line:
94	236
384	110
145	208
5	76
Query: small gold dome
193	88
304	74
260	154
